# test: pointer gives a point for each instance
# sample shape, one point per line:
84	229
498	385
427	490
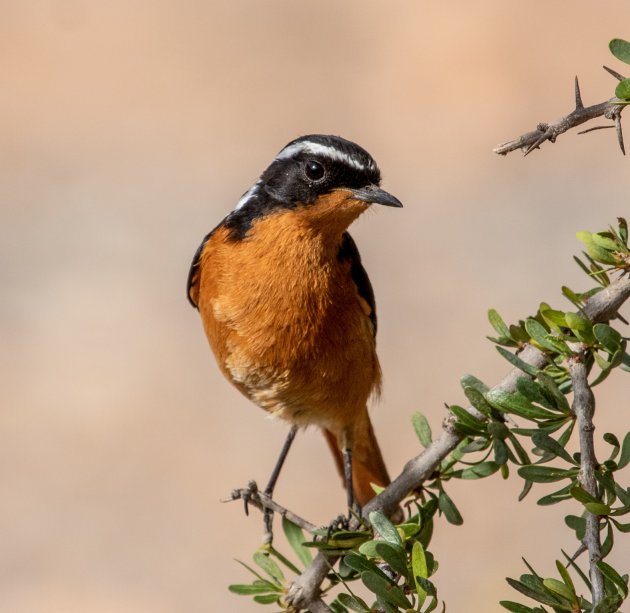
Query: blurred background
129	129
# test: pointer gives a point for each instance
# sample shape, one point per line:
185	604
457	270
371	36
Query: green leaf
496	321
566	577
577	524
609	541
555	497
608	337
591	504
559	588
581	327
546	341
624	458
472	381
594	250
422	428
354	603
385	589
419	569
295	537
544	441
447	506
390	554
554	391
361	564
597	508
514	402
527	486
606	240
251	588
536	330
537	593
620	49
614	576
520	451
394	556
477	400
501	451
623	89
267	598
623	230
479	471
269	565
623	528
515	607
534	392
466	423
516	361
556	320
545	474
385	528
292	567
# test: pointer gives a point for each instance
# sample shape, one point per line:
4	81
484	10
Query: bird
288	308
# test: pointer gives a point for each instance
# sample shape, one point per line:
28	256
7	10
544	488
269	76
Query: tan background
128	129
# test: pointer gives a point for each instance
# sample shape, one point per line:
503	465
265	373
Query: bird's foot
341	522
247	494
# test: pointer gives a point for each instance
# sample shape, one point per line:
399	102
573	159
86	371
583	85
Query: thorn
578	96
614	73
539	141
595	128
619	132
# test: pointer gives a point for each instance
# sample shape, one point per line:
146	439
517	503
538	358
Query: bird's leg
342	522
347	470
268	514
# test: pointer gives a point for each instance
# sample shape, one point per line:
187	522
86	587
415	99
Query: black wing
349	252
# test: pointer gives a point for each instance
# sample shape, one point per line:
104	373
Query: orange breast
285	320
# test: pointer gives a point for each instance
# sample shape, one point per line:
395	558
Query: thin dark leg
347	470
268	514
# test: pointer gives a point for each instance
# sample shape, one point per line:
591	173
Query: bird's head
327	180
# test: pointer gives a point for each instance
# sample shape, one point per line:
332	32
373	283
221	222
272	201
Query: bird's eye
314	170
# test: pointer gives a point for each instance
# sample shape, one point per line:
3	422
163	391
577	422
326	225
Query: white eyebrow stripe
324	150
248	195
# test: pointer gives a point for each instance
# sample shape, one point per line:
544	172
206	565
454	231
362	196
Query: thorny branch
611	109
252	495
304	592
584	409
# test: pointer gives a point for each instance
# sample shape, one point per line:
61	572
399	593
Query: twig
304	592
611	109
584	409
252	495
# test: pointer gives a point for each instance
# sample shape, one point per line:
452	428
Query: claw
341	522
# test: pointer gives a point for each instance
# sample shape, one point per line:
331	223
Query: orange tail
367	462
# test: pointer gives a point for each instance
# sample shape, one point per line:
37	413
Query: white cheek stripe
324	150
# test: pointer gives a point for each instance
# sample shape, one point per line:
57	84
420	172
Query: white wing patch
323	150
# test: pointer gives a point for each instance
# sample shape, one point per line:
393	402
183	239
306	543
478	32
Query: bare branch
584	409
611	109
305	590
252	495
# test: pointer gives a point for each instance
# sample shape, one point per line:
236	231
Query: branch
611	109
304	592
584	409
252	495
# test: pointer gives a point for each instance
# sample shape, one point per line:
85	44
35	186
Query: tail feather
367	461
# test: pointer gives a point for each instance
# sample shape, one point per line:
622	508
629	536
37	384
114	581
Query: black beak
375	195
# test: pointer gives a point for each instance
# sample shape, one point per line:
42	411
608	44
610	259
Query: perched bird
288	308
